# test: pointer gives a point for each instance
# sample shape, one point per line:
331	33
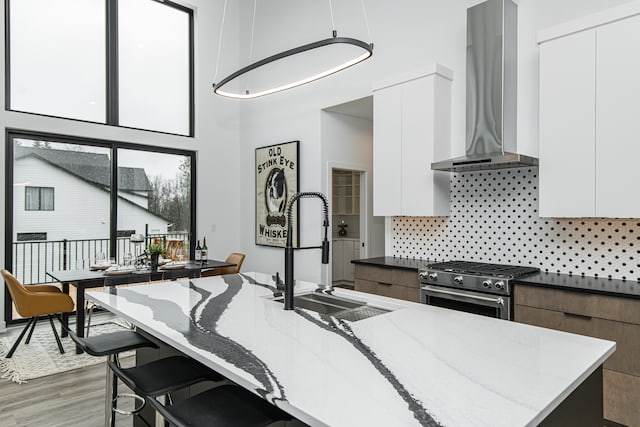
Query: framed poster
276	182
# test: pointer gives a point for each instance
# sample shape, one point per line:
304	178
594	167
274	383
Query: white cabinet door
411	130
337	261
618	119
567	126
387	151
349	268
416	174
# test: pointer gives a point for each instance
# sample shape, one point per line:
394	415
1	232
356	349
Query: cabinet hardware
580	316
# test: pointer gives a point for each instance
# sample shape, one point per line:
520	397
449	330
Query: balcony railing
32	260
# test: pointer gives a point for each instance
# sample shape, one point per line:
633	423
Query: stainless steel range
473	287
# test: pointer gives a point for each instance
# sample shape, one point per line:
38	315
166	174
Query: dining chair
34	301
235	258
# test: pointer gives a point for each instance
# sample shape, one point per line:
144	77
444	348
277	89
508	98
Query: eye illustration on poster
276	182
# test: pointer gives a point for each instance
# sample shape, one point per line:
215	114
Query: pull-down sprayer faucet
288	250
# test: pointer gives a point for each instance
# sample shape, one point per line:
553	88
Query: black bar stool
112	344
163	376
223	406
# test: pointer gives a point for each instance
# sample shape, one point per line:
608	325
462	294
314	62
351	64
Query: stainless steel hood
491	91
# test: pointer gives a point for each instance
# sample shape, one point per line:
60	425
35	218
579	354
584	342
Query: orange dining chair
235	258
34	301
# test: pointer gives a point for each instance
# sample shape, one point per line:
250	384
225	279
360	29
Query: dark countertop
394	262
577	283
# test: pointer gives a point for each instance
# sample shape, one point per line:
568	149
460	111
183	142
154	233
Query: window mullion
112	62
113	225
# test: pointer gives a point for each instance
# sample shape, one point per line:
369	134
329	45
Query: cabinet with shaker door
344	251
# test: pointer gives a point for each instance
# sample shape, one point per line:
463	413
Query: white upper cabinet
387	156
567	126
590	116
618	119
412	129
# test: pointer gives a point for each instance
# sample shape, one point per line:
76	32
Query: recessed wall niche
494	218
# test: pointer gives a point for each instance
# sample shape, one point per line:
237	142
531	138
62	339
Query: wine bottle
204	253
198	252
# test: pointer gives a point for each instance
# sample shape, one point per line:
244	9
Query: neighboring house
66	196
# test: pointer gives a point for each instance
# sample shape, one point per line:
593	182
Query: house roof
91	167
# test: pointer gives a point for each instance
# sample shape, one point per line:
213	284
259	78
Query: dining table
92	278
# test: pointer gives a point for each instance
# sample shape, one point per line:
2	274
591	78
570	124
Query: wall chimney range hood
491	91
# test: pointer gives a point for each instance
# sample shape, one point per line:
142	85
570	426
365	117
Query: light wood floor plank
74	398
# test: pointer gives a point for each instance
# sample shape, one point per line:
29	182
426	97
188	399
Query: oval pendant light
246	83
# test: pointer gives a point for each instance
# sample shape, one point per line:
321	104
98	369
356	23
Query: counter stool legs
162	377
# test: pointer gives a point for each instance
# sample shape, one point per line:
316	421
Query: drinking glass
180	254
101	259
128	259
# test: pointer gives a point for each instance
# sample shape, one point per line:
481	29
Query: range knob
433	276
486	284
499	285
457	280
423	274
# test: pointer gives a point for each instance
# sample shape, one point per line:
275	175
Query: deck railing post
64	254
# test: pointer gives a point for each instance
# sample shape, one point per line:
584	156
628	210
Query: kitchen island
413	365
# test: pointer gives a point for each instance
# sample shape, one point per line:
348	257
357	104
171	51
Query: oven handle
474	297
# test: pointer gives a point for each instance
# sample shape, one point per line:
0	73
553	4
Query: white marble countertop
416	365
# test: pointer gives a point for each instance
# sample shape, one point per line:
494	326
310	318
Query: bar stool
223	406
163	376
112	344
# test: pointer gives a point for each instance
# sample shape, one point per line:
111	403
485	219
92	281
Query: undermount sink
338	307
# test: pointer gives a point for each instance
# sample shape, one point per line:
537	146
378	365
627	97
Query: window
38	199
122	63
154	65
28	237
125	233
105	191
58	70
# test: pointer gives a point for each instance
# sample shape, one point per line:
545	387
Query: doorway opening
346	225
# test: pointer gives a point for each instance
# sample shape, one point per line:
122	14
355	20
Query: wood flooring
74	398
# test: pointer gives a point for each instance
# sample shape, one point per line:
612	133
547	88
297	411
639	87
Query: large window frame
114	146
111	52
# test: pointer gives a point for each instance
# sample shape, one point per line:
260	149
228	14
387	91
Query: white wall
140	199
347	143
216	136
407	34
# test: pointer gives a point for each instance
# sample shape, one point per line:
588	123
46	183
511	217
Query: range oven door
497	306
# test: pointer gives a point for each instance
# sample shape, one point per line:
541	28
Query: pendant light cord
364	13
333	23
366	21
224	13
253	27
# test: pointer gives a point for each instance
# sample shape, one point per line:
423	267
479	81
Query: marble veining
416	365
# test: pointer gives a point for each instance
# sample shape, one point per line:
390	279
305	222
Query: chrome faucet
288	250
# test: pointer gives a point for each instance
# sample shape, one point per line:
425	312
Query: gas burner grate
483	269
